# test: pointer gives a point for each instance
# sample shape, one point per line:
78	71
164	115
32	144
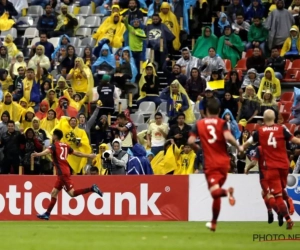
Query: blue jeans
277	75
154	99
261	46
156	150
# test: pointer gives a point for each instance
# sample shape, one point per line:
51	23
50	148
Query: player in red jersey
60	152
213	133
272	139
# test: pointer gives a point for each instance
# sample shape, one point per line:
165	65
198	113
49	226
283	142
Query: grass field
69	235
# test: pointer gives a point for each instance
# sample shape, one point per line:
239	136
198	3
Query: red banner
136	198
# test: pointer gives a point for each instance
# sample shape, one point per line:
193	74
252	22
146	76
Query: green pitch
69	235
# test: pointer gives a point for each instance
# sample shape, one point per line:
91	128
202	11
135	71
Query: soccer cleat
44	216
280	219
289	225
291	206
270	217
211	226
230	196
96	190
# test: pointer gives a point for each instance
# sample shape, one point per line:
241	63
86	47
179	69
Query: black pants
240	167
121	80
137	56
58	33
7	163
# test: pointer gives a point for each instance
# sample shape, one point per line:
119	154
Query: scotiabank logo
146	202
124	198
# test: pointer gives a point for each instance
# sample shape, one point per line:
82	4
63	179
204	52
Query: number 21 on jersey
272	140
212	132
64	153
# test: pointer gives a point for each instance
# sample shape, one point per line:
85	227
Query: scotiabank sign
125	198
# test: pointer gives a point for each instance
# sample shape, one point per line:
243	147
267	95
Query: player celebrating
272	139
60	152
214	133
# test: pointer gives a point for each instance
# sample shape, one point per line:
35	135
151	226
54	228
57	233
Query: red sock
218	193
216	209
282	207
81	191
272	204
51	205
267	203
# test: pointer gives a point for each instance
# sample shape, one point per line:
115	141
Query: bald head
269	116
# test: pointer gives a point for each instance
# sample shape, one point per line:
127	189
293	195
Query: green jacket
257	34
135	37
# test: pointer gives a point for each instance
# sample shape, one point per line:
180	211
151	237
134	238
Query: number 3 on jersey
212	132
272	140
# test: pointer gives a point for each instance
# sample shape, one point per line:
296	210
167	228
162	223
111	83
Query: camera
107	154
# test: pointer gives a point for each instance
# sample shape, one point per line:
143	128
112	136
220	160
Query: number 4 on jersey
272	140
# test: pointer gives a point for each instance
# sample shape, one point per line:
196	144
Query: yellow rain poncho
73	103
43	59
142	80
98	160
49	125
170	20
5	83
70	135
63	20
14	109
112	31
164	164
23	100
141	138
185	164
5	22
19	64
54	104
79	83
273	85
26	124
11	47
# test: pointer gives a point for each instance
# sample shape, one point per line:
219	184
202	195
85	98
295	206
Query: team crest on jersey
293	190
154	34
71	137
169	24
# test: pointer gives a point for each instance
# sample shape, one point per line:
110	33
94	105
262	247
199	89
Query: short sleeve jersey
214	147
60	152
272	140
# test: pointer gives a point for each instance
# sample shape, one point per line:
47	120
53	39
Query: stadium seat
12	32
162	107
27	21
288	64
75	41
92	22
21	42
85	11
287	108
84	32
55	41
286	117
35	11
251	126
146	108
287	97
31	33
79	51
97	11
241	65
227	64
80	20
292	75
142	127
137	119
88	41
71	8
26	53
249	53
34	41
290	127
296	64
103	19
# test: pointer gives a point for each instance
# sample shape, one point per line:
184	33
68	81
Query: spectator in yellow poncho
75	101
5	81
97	162
186	162
49	122
82	78
5	22
112	29
27	118
14	109
11	47
169	19
77	139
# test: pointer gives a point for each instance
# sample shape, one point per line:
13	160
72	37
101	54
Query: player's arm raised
79	154
45	152
230	138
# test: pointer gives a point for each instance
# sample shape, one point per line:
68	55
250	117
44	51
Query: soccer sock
82	191
216	209
282	207
285	197
272	204
218	193
267	203
51	205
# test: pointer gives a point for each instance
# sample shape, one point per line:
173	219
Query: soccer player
272	139
60	152
213	133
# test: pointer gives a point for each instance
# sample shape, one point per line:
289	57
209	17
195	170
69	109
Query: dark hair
239	14
58	133
156	15
21	67
43	33
30	69
274	48
296	133
158	114
181	114
184	49
212	48
256	17
93	168
46	7
121	116
11	122
177	65
213	106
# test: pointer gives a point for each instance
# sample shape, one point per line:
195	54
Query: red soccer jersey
272	140
60	152
214	147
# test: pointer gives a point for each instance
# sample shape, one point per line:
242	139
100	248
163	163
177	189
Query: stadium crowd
239	53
